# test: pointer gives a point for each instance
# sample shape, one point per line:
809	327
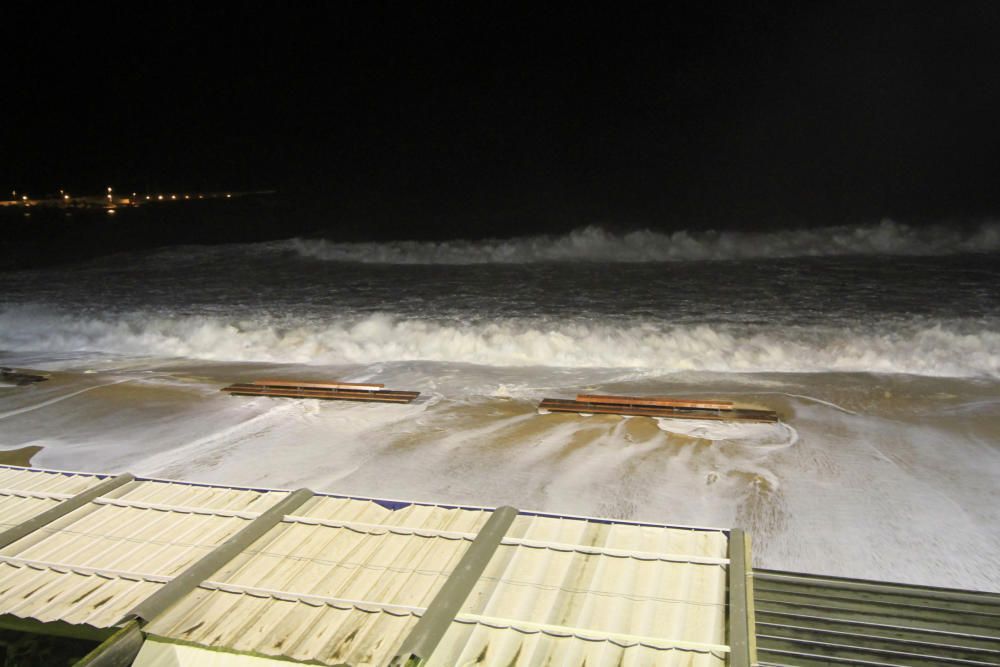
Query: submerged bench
21	378
333	391
656	406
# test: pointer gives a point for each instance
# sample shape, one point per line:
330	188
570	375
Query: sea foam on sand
886	477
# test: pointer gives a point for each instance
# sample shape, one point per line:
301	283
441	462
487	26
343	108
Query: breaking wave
931	350
598	245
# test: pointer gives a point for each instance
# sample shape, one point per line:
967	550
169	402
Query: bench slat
319	385
382	396
656	401
562	405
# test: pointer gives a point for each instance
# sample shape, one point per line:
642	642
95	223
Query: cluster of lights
65	196
174	197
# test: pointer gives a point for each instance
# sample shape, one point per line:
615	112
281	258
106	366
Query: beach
882	477
877	345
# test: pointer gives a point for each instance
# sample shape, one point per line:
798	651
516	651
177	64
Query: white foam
932	350
747	433
598	245
809	497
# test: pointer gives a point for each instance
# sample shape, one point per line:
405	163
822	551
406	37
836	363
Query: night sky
494	119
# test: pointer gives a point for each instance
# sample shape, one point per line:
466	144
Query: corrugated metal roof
25	494
95	564
813	620
344	580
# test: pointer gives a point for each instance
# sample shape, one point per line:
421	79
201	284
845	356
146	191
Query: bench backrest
657	401
319	385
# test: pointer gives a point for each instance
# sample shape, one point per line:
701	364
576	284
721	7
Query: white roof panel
96	563
25	494
345	580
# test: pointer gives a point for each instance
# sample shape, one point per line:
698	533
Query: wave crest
936	350
598	245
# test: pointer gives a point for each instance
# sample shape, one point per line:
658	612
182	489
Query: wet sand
18	457
889	477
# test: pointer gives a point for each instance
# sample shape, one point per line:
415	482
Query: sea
877	344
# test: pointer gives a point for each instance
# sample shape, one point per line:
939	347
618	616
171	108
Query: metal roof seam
107	573
169	493
221	554
622	640
174	552
123	538
71	485
400	549
44	495
40	539
7	466
843	583
377	529
157	490
280	539
646	616
870	624
889	640
334	578
618	553
590	591
504	560
529	543
313	599
424	638
11	524
210	537
180	509
297	548
61	513
18	511
215	485
36	482
350	564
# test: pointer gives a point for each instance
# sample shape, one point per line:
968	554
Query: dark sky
700	114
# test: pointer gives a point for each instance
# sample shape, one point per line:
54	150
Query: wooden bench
303	384
331	391
21	378
656	406
655	401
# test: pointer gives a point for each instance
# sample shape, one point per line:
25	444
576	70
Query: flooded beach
883	365
887	477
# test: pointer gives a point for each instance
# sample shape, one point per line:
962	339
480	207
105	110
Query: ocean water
879	346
